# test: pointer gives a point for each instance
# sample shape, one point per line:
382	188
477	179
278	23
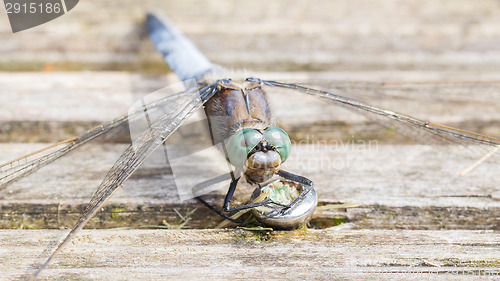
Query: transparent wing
176	111
25	165
432	133
198	165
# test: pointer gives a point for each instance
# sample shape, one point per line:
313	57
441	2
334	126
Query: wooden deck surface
329	254
279	35
392	190
390	207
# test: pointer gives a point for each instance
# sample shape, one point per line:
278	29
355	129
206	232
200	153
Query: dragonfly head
260	152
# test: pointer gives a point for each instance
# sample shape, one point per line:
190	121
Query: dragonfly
239	119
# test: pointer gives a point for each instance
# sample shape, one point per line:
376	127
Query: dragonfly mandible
254	147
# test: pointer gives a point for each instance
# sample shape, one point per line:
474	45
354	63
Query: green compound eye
279	139
240	144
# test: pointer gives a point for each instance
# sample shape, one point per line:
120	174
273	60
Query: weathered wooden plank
55	106
281	35
334	170
337	253
395	186
391	184
101	96
73	96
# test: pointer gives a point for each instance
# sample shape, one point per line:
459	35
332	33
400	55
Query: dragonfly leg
229	196
304	181
215	210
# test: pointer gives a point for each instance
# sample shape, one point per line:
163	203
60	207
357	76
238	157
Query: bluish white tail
181	55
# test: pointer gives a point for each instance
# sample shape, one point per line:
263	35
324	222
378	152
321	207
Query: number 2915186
33	8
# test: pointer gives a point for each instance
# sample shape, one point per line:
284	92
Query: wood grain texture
413	218
407	215
339	253
50	107
278	35
394	184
